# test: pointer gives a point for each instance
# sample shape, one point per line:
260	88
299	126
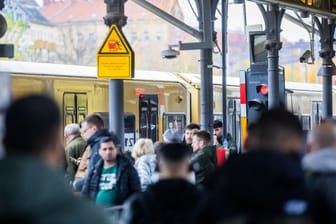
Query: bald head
324	135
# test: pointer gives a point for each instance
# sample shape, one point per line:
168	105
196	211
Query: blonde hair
141	147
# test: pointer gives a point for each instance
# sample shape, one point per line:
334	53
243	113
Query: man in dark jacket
188	134
173	199
32	189
266	184
230	143
113	179
204	160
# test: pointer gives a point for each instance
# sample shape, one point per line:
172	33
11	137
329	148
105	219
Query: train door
74	107
148	117
233	120
317	111
129	128
173	125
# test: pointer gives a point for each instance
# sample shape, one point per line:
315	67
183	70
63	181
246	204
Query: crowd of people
280	177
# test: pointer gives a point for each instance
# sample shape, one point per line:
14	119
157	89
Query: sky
290	31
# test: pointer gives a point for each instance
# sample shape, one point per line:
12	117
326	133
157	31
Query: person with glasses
92	129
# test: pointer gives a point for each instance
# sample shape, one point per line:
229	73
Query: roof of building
30	8
65	11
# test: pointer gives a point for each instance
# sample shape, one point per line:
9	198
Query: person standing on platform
218	132
204	160
33	189
74	149
320	169
92	128
145	161
171	200
113	179
266	184
188	134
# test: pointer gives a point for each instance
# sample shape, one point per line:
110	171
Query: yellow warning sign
115	58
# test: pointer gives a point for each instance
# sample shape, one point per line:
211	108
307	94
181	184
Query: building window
133	36
146	35
158	35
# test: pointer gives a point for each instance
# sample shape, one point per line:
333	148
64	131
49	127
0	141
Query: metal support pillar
206	25
224	42
206	90
116	108
206	18
327	97
115	15
272	17
326	29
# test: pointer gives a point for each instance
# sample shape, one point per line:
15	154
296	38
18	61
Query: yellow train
153	100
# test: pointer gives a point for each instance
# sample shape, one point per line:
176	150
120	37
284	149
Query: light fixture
170	52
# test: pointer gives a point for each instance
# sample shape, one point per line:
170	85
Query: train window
74	107
173	125
233	118
129	128
305	122
317	111
148	117
69	117
218	117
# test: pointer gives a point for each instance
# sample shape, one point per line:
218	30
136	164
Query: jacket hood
96	136
323	160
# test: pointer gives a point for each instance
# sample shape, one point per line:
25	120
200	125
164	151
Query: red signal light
262	89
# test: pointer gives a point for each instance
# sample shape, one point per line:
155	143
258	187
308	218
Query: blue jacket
127	180
145	165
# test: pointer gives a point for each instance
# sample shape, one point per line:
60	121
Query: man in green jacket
204	160
75	146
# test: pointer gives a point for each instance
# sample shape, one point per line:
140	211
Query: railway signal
256	94
257	91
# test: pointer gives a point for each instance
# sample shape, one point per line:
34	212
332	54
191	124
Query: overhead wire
192	8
